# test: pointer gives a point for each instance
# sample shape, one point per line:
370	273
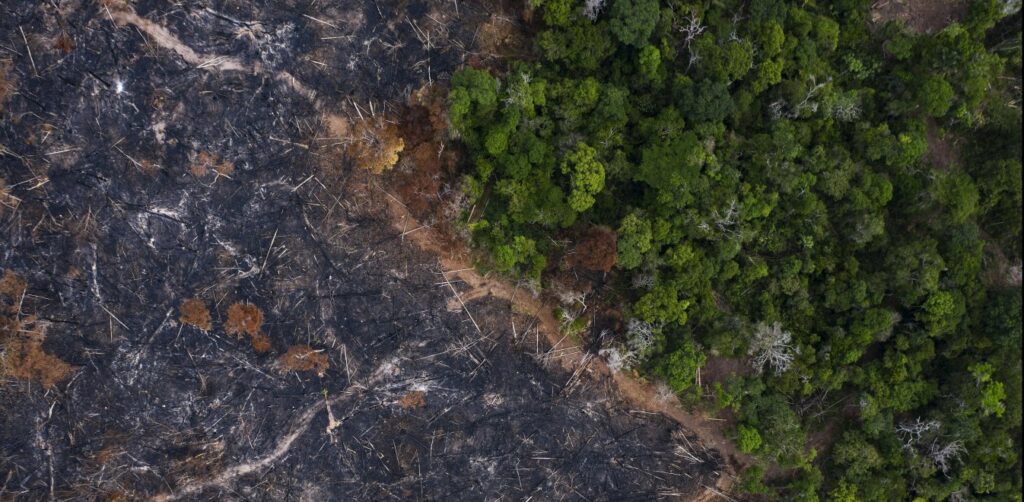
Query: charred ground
137	182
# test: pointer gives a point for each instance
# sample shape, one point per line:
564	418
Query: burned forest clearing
228	273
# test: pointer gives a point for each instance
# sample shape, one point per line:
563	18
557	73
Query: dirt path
457	264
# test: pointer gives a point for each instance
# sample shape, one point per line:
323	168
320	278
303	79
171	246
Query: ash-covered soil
156	152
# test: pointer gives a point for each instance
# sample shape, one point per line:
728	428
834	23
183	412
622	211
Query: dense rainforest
831	199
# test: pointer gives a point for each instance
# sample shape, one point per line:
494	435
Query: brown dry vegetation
247	319
195	313
7	82
420	181
260	343
501	36
412	400
375	144
13	287
206	162
244	319
26	360
22	339
303	358
149	167
64	44
595	250
419	186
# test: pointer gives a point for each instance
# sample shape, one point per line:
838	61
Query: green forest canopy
780	179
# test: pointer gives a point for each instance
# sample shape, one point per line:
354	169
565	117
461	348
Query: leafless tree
519	91
846	108
780	108
910	433
640	338
961	495
944	455
617	359
591	8
777	109
692	29
643	280
771	347
726	221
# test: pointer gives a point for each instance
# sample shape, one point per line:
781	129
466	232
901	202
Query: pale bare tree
910	433
519	91
591	8
771	347
691	28
616	359
846	108
640	338
944	455
643	280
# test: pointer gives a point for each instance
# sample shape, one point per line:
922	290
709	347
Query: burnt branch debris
172	169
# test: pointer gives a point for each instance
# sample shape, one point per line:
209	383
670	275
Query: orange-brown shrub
64	43
412	400
375	145
24	357
303	358
244	319
260	343
195	313
247	319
